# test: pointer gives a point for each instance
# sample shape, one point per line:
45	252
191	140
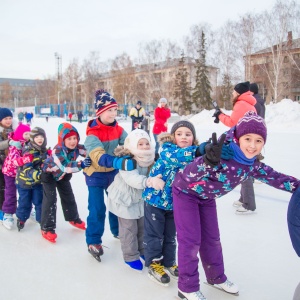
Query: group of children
35	171
152	204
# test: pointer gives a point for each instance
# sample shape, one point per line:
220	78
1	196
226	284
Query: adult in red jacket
161	116
242	101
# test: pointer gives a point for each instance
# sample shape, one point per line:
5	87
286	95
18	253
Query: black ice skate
96	251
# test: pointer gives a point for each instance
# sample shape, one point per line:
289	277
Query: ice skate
78	223
96	251
243	211
227	287
237	203
8	221
49	235
32	216
157	273
20	224
1	216
191	296
172	271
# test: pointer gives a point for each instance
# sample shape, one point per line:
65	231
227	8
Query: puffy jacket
161	116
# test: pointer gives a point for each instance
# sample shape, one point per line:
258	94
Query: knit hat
20	130
163	100
133	138
5	112
186	124
103	101
69	134
139	102
254	88
251	123
35	132
242	87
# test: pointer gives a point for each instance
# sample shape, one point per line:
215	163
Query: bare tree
6	94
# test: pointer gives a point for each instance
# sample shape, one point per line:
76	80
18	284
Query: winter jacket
63	160
244	103
161	115
12	161
205	182
137	115
125	193
101	140
172	159
4	132
29	174
260	105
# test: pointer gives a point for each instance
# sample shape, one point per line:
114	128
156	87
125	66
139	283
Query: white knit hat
133	138
163	100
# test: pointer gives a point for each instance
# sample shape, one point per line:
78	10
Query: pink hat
20	130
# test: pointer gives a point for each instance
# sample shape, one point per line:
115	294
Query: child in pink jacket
13	160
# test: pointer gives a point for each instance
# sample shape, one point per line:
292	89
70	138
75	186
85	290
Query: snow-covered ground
257	250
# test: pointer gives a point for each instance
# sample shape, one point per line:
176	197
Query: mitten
216	115
213	150
86	163
124	163
21	161
156	182
227	152
16	144
49	152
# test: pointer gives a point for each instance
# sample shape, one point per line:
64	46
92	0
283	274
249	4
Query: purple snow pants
197	228
10	195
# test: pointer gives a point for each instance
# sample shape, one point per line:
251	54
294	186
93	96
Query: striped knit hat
103	101
251	123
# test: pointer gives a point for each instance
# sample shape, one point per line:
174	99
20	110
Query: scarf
240	157
144	158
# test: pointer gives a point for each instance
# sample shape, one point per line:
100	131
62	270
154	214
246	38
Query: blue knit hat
5	112
103	101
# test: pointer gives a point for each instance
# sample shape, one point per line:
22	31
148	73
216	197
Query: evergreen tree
201	92
226	92
182	88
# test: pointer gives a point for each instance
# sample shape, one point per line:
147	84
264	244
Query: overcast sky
32	31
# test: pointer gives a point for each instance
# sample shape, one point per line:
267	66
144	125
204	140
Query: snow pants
2	188
27	197
247	194
197	232
10	195
131	233
96	217
159	235
49	205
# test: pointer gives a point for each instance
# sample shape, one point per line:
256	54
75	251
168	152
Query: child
13	160
178	149
57	173
28	178
103	136
125	196
195	190
6	126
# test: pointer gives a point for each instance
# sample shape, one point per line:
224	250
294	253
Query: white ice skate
8	221
229	287
191	296
237	203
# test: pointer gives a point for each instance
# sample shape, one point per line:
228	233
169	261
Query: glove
21	161
16	144
213	150
156	182
124	163
216	115
227	152
86	163
49	152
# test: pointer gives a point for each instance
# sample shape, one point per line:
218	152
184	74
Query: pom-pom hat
242	87
103	101
251	123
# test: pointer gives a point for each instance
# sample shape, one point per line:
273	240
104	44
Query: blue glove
86	163
124	163
293	219
227	152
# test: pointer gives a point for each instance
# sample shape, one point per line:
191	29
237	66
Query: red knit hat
71	133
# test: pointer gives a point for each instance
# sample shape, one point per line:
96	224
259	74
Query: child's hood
63	130
120	151
230	136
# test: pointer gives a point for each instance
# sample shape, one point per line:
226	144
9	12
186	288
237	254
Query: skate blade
49	240
156	281
220	289
97	257
171	275
181	296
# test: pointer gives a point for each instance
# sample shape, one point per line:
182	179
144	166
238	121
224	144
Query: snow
258	254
